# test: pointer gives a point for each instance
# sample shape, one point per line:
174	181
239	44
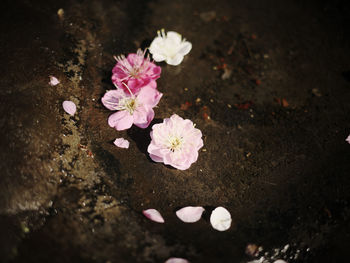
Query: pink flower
136	71
132	109
175	142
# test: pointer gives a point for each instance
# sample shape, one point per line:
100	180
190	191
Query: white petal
122	143
177	260
190	214
176	60
158	57
279	261
153	215
220	219
185	48
53	81
174	37
69	107
156	45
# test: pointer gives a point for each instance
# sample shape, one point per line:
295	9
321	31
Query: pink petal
122	143
190	214
143	117
153	215
149	96
111	98
69	107
348	139
177	260
53	81
121	120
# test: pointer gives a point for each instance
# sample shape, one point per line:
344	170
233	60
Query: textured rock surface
266	82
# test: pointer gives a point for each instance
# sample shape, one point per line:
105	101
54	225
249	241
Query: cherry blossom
135	71
131	109
175	142
169	47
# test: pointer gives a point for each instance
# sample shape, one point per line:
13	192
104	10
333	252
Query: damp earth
267	83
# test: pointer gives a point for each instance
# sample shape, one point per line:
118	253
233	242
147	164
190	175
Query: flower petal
177	260
149	96
220	219
121	143
185	48
143	116
190	214
156	49
69	107
348	139
174	37
158	57
175	60
279	261
153	215
120	120
111	98
53	81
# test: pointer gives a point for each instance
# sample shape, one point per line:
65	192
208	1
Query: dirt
267	83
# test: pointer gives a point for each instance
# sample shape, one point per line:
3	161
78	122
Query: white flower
220	219
169	47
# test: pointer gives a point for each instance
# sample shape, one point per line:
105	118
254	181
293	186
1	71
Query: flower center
134	72
130	105
175	143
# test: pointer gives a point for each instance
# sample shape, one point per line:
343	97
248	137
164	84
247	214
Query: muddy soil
267	83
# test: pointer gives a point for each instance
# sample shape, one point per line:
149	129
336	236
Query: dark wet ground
274	146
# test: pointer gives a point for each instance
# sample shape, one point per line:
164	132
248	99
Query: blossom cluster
174	142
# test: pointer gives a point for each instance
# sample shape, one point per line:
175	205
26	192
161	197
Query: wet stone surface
267	84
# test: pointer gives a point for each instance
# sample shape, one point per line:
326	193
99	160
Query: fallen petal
348	139
177	260
69	107
153	215
190	214
220	219
53	81
122	143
